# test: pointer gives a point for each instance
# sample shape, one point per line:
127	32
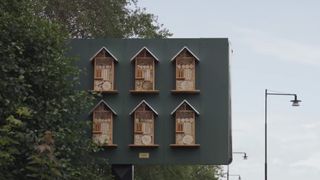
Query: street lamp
245	157
295	102
239	177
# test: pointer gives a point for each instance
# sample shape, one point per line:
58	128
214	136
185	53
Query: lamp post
295	102
245	157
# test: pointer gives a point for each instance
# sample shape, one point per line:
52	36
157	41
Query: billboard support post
123	171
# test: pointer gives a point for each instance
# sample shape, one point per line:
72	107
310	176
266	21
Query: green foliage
102	18
41	133
173	172
37	98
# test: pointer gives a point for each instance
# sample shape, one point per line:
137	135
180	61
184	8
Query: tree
102	18
41	133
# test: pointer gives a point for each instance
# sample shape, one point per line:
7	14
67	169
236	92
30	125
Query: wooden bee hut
185	67
185	122
104	71
144	68
102	124
143	125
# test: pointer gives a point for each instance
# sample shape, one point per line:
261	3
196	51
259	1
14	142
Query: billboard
164	101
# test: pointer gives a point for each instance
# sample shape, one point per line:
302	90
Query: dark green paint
213	125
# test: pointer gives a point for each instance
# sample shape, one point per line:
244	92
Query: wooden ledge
144	146
180	78
185	145
139	78
179	132
144	91
185	91
107	92
138	132
109	145
96	132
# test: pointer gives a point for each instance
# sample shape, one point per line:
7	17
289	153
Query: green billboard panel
164	101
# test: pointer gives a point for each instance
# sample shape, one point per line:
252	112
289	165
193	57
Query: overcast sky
276	46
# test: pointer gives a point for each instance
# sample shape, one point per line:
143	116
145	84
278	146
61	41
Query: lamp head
245	157
295	102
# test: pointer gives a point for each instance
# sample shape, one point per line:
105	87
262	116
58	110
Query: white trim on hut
104	48
105	103
185	47
185	101
143	101
133	57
